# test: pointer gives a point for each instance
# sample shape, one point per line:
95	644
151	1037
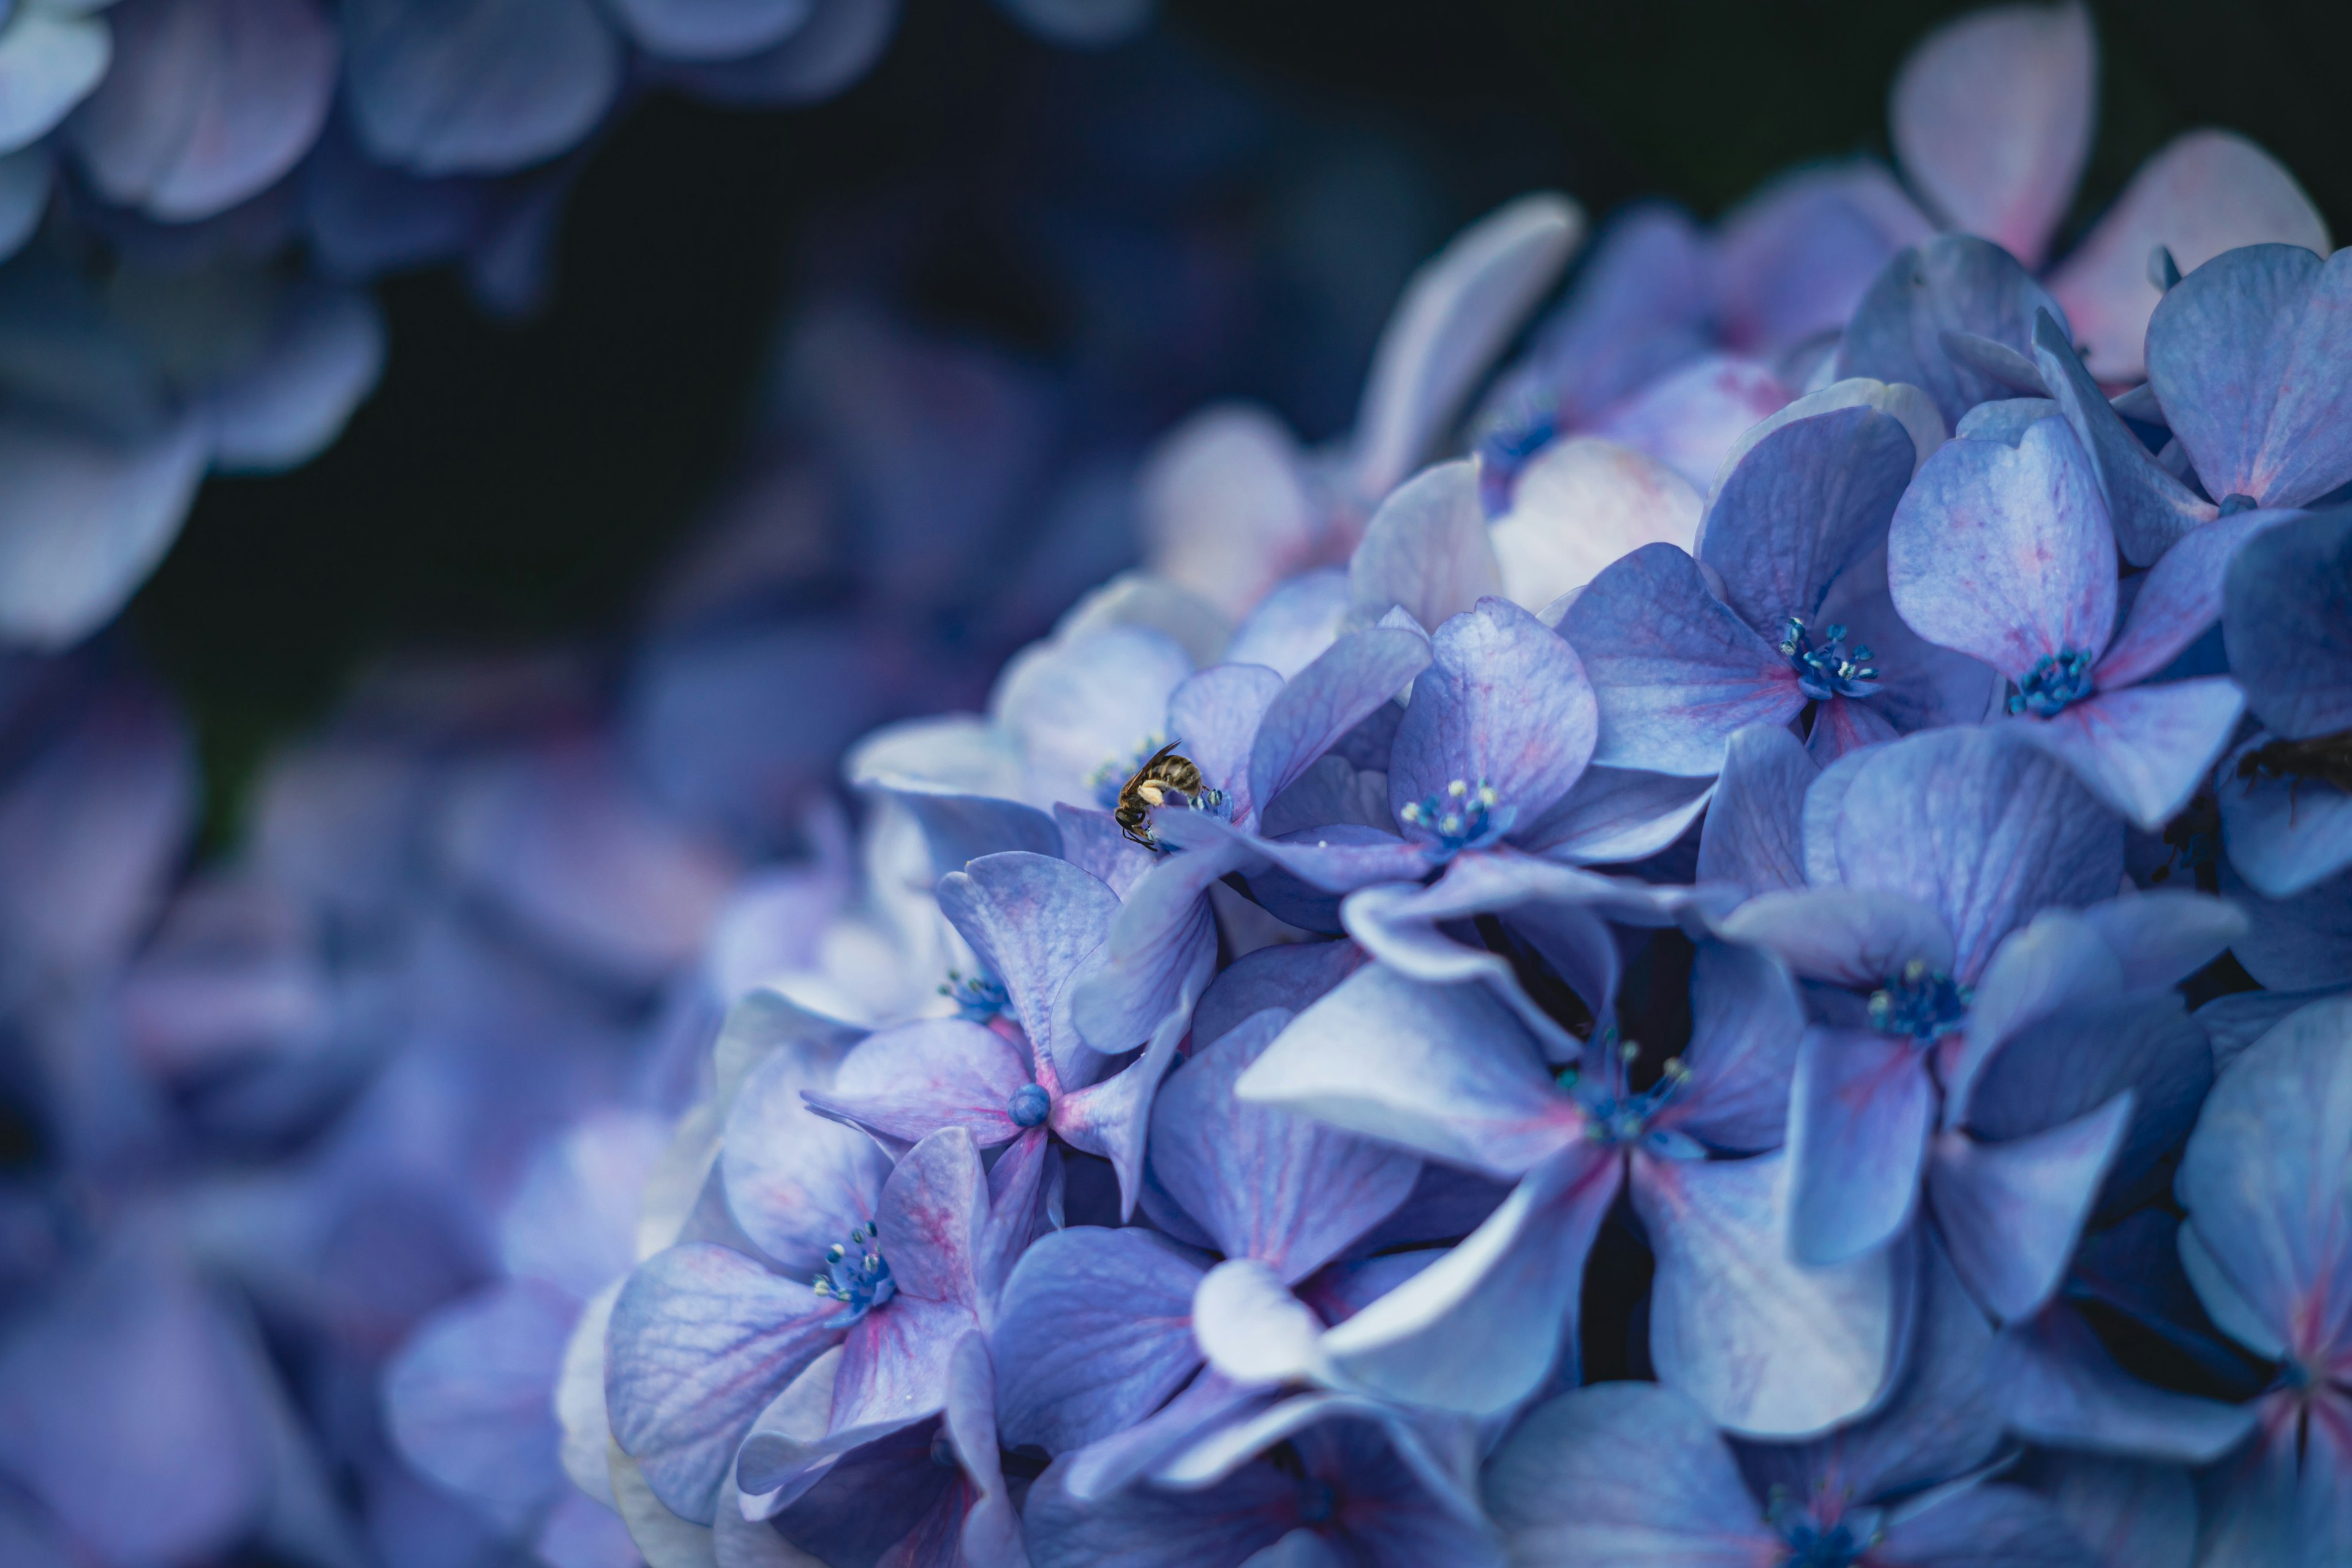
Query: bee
2327	758
1165	777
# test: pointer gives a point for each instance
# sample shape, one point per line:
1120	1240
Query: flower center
1811	1543
1613	1112
1922	1002
977	998
1461	815
2055	680
1029	1105
1831	669
1111	778
856	1275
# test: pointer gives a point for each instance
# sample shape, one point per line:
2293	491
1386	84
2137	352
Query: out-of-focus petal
1992	118
84	517
1953	284
1580	505
469	1399
50	58
1427	548
1226	508
476	86
711	29
2200	194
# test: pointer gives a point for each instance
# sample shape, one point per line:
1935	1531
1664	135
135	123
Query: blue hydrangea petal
206	104
1765	1345
826	55
1290	975
1265	1184
2012	1212
1444	1070
1754	835
476	86
1580	504
1626	1471
1149	1528
2150	509
702	1338
468	1397
2144	751
2283	1492
2178	599
2287	618
2199	195
1953	283
2127	1510
2286	836
2065	1389
2262	1178
1616	816
50	60
795	1181
711	29
2164	937
2004	553
1982	829
1504	703
1080	704
1112	1117
1161	952
1857	937
1345	685
1032	921
1093	1332
1481	1328
1859	1111
1677	671
903	1083
1991	1526
1426	550
1802	506
1296	621
325	353
1746	1022
87	517
1213	718
2248	355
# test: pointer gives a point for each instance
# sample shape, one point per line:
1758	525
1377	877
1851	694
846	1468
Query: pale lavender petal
1689	418
2144	749
1504	702
1445	1070
88	517
1093	842
1457	312
1754	838
1626	1472
1796	257
1956	283
1266	1183
1482	1328
205	105
932	1209
1765	1345
1032	921
1579	505
1426	550
574	1221
1982	829
1991	117
2012	1212
1094	1333
702	1339
2004	553
1345	685
1087	704
2201	193
1858	1112
894	1368
2247	354
1294	623
1253	1330
1162	948
903	1083
1677	672
49	62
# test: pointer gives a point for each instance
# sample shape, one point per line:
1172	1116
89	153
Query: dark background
518	480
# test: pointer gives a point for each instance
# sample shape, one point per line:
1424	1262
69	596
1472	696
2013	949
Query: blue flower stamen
1029	1106
1922	1002
2055	681
1832	669
977	998
1461	815
856	1275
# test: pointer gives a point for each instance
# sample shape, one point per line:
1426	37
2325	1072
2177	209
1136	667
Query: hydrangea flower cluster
195	193
1808	1022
